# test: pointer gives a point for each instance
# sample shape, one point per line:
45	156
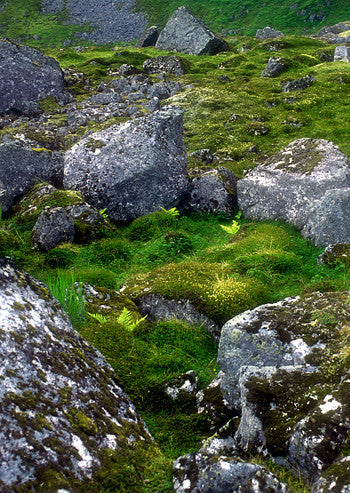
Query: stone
159	91
61	403
335	478
339	253
184	386
291	186
188	34
157	307
205	156
131	169
267	33
198	473
274	67
213	191
342	53
54	226
149	38
27	77
21	166
170	64
299	84
126	69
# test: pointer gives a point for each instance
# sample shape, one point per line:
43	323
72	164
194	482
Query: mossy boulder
335	254
62	410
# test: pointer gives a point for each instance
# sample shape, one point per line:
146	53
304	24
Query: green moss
95	144
81	422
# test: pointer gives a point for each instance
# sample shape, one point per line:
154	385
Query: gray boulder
274	67
131	169
292	185
21	166
149	38
184	386
61	406
187	34
342	53
213	191
28	76
337	34
339	253
267	33
169	64
299	84
54	226
335	478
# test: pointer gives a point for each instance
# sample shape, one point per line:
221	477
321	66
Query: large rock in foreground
297	185
131	169
187	34
27	76
62	412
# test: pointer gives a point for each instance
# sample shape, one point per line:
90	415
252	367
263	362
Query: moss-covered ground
191	256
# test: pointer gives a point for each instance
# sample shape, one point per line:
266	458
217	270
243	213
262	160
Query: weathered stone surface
159	308
54	226
198	473
61	404
131	169
27	76
150	37
342	54
339	253
299	84
335	479
267	33
337	34
274	67
170	64
22	166
186	385
213	191
292	185
187	34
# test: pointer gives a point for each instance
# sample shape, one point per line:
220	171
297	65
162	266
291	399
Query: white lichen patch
330	404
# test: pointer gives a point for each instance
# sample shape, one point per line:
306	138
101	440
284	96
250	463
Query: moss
95	144
81	422
304	159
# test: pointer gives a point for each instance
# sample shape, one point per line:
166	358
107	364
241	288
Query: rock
213	191
267	33
153	105
184	386
159	308
106	98
131	169
149	38
159	91
27	77
274	67
198	473
205	156
335	478
338	28
88	222
339	253
187	34
126	69
54	226
342	53
170	64
61	405
292	185
21	166
299	84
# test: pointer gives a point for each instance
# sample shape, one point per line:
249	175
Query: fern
127	321
99	317
234	227
173	212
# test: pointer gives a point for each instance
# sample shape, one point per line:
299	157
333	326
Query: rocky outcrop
131	169
339	33
342	54
268	33
149	38
335	254
187	34
169	64
61	407
307	184
274	67
28	76
21	166
299	84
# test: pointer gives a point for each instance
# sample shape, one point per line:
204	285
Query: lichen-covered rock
54	226
187	34
299	84
213	191
342	54
185	385
27	76
131	169
274	67
198	473
335	479
170	64
150	37
61	407
339	253
267	33
292	185
336	34
21	166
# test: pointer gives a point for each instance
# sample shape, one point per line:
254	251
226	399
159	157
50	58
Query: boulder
213	191
292	186
274	67
267	33
54	226
342	54
169	64
62	410
339	253
27	77
299	84
335	478
21	166
149	38
131	169
337	34
187	34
